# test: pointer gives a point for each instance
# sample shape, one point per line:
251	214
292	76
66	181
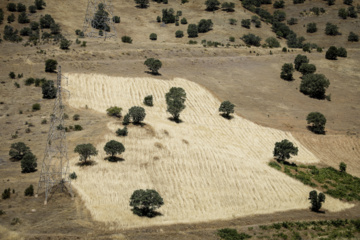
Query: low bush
148	100
6	194
36	107
245	23
78	127
179	34
153	36
76	117
353	37
116	19
73	176
126	39
183	21
12	75
122	132
251	39
29	191
341	52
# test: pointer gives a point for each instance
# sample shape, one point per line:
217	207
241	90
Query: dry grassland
205	168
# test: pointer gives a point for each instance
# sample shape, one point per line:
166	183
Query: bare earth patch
200	177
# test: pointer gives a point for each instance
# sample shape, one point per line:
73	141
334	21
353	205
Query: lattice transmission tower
99	18
55	166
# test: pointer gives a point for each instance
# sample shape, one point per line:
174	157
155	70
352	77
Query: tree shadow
287	163
141	124
153	73
212	10
87	163
312	129
175	120
34	170
114	159
148	214
140	7
229	117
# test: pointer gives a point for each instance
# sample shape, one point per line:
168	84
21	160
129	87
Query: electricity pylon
99	20
55	166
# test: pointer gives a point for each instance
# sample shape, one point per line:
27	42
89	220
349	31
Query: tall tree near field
175	100
85	151
226	108
114	147
145	202
317	121
284	149
316	200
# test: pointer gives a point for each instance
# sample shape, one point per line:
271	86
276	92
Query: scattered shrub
231	234
65	44
145	202
279	15
36	107
113	147
76	117
353	37
232	39
307	68
348	2
6	194
153	36
292	21
279	4
18	150
192	30
137	114
251	39
50	65
28	163
205	25
212	5
114	111
12	75
300	59
11	7
10	34
148	100
341	52
46	21
126	39
284	149
48	89
153	64
352	12
311	27
29	191
44	121
314	85
21	7
272	42
317	121
73	176
342	167
78	127
298	1
245	23
331	53
122	132
40	4
32	8
287	71
331	29
228	6
116	19
158	19
126	119
183	21
179	34
168	16
22	18
232	21
226	108
316	200
142	3
25	31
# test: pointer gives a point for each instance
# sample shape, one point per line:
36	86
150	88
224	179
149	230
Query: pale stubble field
205	168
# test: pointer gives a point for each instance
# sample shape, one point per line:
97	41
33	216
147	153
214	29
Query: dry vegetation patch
205	168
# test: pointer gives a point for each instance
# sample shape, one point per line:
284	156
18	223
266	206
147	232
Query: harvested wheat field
205	168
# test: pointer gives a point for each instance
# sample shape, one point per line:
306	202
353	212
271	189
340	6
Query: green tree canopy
85	151
205	25
212	5
307	68
316	200
342	167
153	64
331	53
145	202
18	150
28	163
226	107
114	147
287	71
48	89
137	114
192	30
284	149
175	100
317	121
142	3
114	111
101	18
50	65
300	59
314	85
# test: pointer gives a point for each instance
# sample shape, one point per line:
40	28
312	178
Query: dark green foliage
116	19
50	65
18	150
158	19
300	59
126	119
342	167
331	53
65	44
16	84
341	52
23	18
148	100
36	107
353	37
168	16
352	12
153	36
29	81
179	13
228	6
331	2
78	127
21	7
142	3
298	1
231	234
226	108
29	191
284	49
294	42
6	194
55	28
11	18
179	34
32	8
126	39
39	82
46	21
12	75
114	147
348	2
284	149
275	165
192	30
183	21
153	64
40	4
205	25
28	163
317	121
245	23
73	175
48	89
232	21
175	100
137	114
85	151
11	35
331	29
281	29
100	18
279	4
272	42
343	13
145	202
212	5
251	39
11	7
232	39
307	68
279	16
264	14
122	132
1	16
114	111
76	117
311	27
287	71
25	31
316	200
314	85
